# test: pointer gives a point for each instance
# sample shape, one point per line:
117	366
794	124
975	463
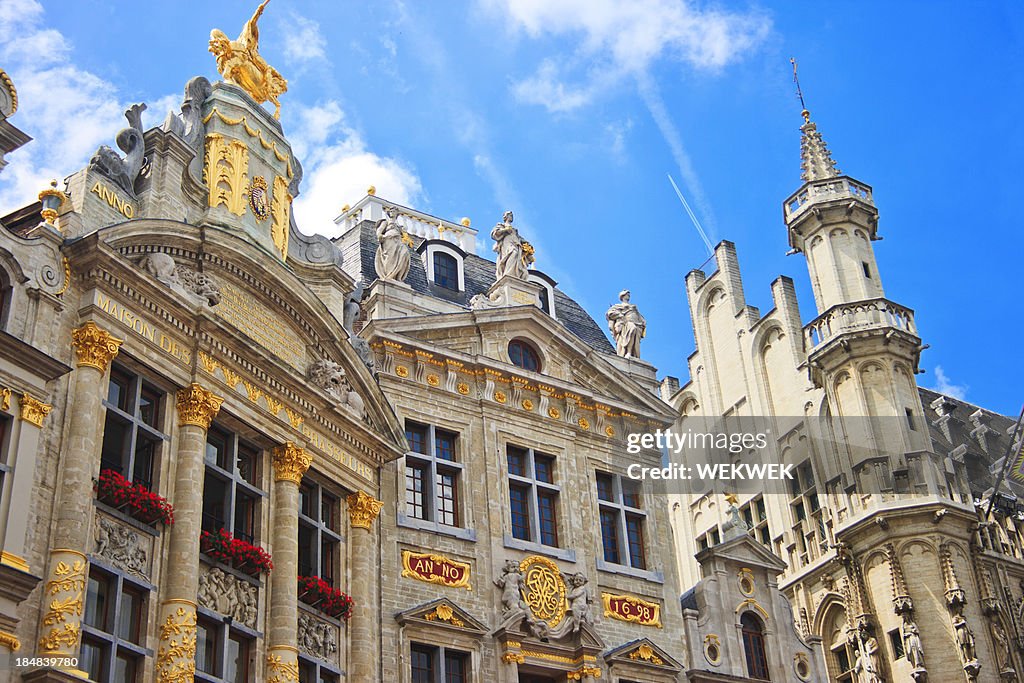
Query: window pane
454	667
119	389
544	468
215	494
605	487
415	481
217	449
237	659
245	516
206	647
446	503
416	435
516	461
145	453
446	270
328	511
307	672
248	462
630	492
545	304
422	664
518	499
149	406
97	602
444	443
548	521
307	499
635	537
307	550
93	659
129	615
126	667
610	536
523	356
117	436
328	550
328	677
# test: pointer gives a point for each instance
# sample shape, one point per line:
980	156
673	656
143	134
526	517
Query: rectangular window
432	664
231	493
622	520
5	429
112	627
319	540
432	474
533	495
132	436
314	672
224	654
896	643
910	420
808	523
754	514
867	269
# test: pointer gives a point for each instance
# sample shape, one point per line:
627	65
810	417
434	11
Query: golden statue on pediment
239	62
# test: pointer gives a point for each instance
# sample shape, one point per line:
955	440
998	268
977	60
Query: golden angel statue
239	62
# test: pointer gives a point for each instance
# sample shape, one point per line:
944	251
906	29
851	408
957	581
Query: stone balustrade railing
856	316
841	187
371	208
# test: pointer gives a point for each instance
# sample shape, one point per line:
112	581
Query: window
910	420
224	653
432	664
622	520
432	474
896	643
231	494
754	515
319	537
311	672
131	435
753	647
522	355
6	292
867	269
545	300
533	496
807	516
5	429
446	270
113	626
709	539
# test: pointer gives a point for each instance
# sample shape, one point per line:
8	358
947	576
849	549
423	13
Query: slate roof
479	276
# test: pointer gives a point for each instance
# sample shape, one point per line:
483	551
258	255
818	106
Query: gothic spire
815	159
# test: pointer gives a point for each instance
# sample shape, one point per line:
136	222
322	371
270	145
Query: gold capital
197	406
290	462
363	509
10	641
94	346
33	410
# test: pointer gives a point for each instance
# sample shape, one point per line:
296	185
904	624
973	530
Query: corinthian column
64	593
363	630
176	654
290	463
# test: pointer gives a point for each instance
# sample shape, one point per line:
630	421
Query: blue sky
572	112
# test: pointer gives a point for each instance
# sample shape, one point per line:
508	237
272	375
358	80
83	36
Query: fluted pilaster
363	633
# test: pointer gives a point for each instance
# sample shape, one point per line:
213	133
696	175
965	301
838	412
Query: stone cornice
28	357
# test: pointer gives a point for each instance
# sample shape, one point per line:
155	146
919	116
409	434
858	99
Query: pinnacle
815	160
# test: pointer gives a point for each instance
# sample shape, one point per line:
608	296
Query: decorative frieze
94	346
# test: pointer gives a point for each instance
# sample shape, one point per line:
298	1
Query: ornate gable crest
643	653
443	613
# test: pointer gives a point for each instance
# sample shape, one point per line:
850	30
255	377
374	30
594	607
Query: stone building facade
893	572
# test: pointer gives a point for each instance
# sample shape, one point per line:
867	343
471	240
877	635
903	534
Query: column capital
362	510
94	346
290	462
197	406
33	410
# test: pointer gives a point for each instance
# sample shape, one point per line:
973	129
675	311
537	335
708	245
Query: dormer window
446	270
545	301
546	296
445	264
523	355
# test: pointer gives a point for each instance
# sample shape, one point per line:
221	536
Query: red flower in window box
316	592
242	555
135	499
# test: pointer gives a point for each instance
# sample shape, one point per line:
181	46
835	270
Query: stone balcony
841	187
371	208
858	316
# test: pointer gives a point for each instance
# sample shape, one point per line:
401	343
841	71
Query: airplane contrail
693	216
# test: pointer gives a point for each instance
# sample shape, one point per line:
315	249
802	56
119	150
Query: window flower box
135	500
242	555
320	595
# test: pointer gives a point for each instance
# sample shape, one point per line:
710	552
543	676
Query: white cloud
338	168
69	111
546	89
303	40
944	385
616	133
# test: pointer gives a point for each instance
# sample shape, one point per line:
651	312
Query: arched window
522	355
446	270
753	647
5	298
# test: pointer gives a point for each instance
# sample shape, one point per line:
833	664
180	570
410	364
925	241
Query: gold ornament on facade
584	672
438	569
208	362
94	346
746	581
444	612
294	419
12	560
60	638
463	388
258	198
253	391
584	423
500	396
609	431
363	509
527	404
712	649
554	413
52	200
290	462
281	210
543	589
281	670
240	62
197	406
5	399
254	133
433	380
402	371
175	658
227	164
33	410
528	254
371	190
67	277
632	609
647	654
10	641
513	657
66	593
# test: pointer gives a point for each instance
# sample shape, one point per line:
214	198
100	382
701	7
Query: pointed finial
799	93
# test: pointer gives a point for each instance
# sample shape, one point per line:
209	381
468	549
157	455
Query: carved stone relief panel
229	595
123	546
318	638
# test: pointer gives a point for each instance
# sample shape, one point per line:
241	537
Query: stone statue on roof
392	260
627	326
514	253
240	62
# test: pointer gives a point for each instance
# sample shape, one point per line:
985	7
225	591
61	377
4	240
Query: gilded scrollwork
444	612
175	658
197	406
280	212
363	509
33	410
227	166
65	592
290	462
281	670
94	346
543	589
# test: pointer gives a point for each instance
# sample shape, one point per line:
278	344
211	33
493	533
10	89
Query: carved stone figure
867	666
964	638
510	582
513	259
182	278
579	601
912	644
123	170
189	124
392	259
121	545
353	304
627	326
162	267
317	638
240	62
330	376
200	284
1004	661
232	597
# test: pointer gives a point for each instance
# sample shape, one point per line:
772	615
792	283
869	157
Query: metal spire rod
799	93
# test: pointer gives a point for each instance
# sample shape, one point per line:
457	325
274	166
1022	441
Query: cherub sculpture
239	62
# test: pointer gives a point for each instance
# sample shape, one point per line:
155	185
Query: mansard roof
479	276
